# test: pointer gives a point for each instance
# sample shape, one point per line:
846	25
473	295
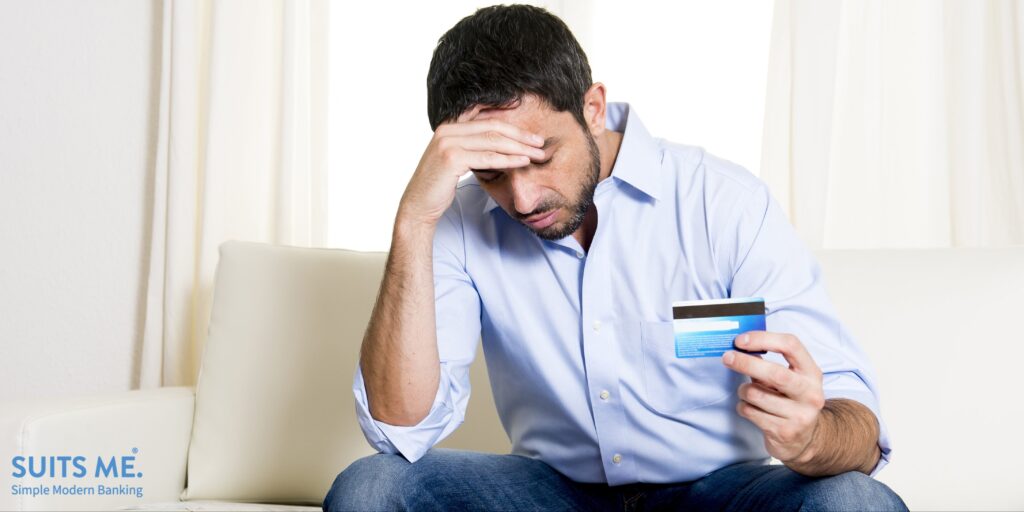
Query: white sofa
271	421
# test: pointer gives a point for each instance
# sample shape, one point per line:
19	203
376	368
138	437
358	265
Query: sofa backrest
940	327
275	418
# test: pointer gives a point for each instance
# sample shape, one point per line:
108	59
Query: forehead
531	114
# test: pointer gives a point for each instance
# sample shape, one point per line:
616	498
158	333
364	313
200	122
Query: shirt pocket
674	385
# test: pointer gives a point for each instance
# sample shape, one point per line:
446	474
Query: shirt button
597	325
616	458
605	395
579	254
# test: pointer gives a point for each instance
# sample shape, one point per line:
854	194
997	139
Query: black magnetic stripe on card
713	310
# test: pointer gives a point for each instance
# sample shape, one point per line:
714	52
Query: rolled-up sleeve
457	312
768	259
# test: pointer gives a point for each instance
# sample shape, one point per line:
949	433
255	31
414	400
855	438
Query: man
565	250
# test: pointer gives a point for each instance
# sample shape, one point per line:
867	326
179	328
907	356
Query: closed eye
487	176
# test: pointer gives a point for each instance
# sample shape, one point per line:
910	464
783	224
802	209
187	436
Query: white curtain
240	155
898	123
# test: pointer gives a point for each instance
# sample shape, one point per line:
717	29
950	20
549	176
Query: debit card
707	328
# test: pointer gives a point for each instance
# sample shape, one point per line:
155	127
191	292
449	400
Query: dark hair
499	53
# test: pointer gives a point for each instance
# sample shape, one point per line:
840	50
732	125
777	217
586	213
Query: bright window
694	70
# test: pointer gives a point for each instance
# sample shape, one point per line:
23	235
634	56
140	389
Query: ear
594	108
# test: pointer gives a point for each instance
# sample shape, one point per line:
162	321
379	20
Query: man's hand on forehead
476	130
460	146
484	113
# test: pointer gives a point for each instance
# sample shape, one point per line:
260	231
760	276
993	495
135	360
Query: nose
526	195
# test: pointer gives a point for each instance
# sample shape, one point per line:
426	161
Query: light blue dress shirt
580	346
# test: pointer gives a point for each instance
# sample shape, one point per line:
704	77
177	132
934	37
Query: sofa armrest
145	433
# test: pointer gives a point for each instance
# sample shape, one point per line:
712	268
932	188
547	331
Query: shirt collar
639	156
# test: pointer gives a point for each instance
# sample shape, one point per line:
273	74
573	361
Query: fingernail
742	340
729	357
538	139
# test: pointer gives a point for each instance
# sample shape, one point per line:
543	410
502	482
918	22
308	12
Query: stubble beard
583	204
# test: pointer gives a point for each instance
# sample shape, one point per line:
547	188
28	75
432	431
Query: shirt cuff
411	441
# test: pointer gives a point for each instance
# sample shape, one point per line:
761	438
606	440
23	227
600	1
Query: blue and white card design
707	328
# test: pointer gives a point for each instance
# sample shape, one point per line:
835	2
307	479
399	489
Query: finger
493	160
765	385
499	143
789	346
768	400
775	375
493	125
765	421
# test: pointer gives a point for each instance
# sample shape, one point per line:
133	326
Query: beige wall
79	83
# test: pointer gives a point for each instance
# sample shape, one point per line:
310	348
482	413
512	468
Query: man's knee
390	482
446	479
851	491
374	482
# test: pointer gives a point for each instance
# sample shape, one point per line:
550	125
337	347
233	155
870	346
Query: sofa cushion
275	419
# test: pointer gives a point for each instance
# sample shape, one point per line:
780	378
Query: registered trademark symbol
135	450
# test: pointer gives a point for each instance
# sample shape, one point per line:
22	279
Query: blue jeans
460	480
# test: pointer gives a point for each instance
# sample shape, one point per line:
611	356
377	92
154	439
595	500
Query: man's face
549	196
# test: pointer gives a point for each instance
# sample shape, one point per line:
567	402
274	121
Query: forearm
399	357
845	439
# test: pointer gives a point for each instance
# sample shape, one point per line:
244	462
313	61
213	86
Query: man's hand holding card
785	403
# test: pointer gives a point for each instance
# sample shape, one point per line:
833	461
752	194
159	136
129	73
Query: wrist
411	226
810	451
807	461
